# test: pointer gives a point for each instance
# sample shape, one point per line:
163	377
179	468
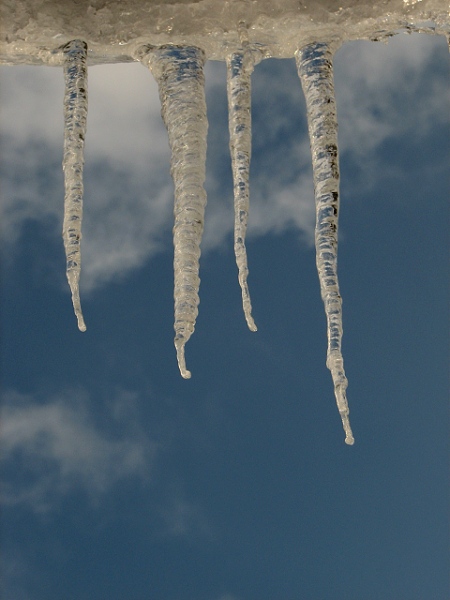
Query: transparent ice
75	115
239	69
315	68
179	74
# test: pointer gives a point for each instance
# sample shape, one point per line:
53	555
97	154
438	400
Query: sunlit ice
174	42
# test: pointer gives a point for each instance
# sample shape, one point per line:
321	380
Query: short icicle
75	115
179	74
239	69
315	68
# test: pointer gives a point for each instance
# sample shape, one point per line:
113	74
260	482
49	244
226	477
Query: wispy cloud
369	76
51	448
183	518
15	572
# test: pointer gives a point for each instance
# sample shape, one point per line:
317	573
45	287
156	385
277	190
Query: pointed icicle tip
182	361
80	318
341	401
349	440
74	288
81	323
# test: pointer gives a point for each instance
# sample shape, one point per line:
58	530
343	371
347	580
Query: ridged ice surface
32	31
315	68
179	74
75	115
239	70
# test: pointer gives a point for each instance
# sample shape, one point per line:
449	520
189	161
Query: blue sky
121	479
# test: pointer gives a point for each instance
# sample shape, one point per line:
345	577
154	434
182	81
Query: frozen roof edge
34	31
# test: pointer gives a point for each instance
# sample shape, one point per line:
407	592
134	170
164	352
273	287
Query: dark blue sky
122	480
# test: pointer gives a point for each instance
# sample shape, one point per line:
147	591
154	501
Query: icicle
179	74
315	68
239	70
75	115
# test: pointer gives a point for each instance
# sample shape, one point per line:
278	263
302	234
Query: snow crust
35	31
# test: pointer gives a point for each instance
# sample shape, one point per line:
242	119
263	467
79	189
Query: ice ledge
33	31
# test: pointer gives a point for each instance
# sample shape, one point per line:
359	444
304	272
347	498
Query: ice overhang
34	31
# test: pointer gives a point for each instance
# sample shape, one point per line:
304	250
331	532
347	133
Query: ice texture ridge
34	31
75	115
179	74
239	69
315	68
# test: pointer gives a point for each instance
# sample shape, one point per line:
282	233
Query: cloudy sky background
121	480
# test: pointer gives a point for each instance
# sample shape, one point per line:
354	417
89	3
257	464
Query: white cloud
69	443
183	518
51	448
15	572
367	77
124	123
126	216
128	190
32	104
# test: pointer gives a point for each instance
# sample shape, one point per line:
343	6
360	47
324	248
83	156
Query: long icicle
75	115
179	74
315	69
239	69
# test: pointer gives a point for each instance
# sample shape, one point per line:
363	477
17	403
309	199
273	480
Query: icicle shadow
179	74
239	69
315	69
75	116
